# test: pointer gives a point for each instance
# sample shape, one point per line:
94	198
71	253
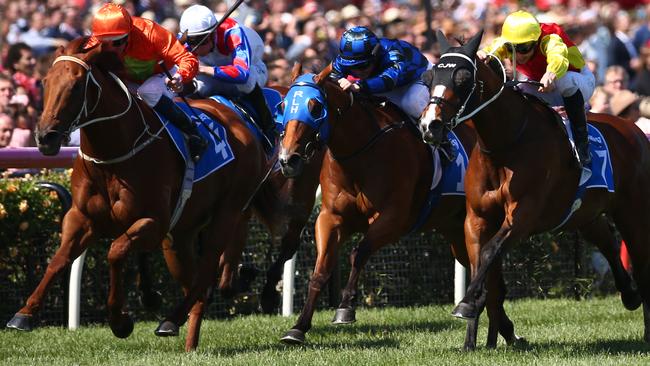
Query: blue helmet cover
297	100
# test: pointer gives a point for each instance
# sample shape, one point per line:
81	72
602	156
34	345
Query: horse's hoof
469	347
293	336
151	300
123	327
20	322
464	311
166	329
344	316
631	300
516	341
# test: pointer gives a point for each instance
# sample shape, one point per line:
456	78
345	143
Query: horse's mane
92	53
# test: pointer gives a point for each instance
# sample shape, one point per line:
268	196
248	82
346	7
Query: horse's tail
267	202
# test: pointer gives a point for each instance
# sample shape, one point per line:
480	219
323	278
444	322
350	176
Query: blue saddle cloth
602	175
452	182
273	100
218	153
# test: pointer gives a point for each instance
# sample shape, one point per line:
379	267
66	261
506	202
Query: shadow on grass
596	347
414	326
345	337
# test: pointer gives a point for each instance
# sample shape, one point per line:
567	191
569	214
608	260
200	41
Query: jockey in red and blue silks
230	58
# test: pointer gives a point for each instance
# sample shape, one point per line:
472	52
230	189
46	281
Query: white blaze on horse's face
431	114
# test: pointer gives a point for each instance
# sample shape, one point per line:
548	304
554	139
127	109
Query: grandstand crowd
614	38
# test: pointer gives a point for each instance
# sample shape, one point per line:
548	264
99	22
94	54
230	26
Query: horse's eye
315	108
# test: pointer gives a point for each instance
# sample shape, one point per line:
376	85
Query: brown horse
375	180
285	207
522	179
126	183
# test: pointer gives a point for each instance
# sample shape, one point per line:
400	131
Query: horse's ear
296	71
473	44
442	41
427	78
59	51
322	76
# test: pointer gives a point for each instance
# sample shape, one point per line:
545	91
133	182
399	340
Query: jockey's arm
239	71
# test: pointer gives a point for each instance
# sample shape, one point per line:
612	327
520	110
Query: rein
84	112
372	141
457	118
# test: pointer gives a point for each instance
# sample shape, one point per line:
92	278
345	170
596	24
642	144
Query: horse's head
452	84
65	94
304	117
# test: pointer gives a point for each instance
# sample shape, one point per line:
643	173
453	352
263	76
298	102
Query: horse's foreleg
329	235
143	234
150	298
76	235
345	314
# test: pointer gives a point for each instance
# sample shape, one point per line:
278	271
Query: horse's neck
500	124
351	128
108	139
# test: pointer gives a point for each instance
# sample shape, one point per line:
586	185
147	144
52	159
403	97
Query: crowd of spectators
613	36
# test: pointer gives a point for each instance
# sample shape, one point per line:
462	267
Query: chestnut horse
126	184
522	179
375	180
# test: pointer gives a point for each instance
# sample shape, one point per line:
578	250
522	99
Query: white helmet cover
197	20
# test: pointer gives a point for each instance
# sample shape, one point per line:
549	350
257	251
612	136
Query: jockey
546	54
231	60
387	67
141	43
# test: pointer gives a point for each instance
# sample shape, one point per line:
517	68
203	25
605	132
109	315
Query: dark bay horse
375	180
522	179
126	183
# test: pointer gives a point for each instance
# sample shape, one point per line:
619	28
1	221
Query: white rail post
459	281
288	286
74	292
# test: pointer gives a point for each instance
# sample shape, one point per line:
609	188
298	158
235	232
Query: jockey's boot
575	110
196	142
265	119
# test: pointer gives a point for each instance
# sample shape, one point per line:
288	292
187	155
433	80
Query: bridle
85	113
458	117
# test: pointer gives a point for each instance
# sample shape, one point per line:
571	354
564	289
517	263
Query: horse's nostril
293	160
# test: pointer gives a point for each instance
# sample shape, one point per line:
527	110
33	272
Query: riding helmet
521	27
197	20
357	46
111	22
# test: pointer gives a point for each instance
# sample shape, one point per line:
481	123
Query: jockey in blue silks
391	68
